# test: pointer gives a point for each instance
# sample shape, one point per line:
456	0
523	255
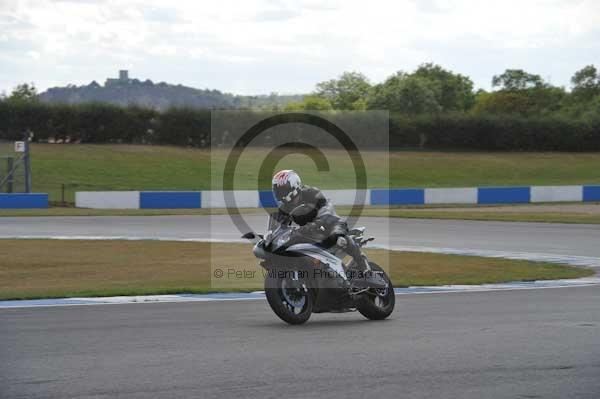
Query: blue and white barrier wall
243	199
107	199
23	200
400	196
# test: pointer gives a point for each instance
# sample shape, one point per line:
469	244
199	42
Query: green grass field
138	167
54	268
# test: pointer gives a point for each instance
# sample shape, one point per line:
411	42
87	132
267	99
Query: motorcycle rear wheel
378	307
292	305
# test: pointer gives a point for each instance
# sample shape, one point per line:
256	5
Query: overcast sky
251	47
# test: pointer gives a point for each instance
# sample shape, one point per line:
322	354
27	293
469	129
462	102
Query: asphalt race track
517	344
542	343
552	238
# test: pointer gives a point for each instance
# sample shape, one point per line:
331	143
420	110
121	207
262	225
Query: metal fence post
27	165
9	181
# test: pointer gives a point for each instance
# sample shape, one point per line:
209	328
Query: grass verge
53	268
96	167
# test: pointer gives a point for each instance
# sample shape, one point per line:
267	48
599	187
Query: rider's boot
364	277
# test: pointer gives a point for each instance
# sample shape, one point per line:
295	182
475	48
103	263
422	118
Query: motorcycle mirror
249	236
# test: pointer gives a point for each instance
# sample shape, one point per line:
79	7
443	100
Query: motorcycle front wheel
289	298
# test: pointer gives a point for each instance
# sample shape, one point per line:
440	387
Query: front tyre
379	305
289	298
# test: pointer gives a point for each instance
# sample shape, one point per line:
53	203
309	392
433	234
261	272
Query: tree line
431	89
430	107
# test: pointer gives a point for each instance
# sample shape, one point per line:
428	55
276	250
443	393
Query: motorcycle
303	276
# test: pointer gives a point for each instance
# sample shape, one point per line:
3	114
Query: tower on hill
123	78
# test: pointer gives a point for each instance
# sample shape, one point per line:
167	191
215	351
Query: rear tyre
290	299
378	307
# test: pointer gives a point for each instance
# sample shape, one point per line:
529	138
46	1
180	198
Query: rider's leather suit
321	223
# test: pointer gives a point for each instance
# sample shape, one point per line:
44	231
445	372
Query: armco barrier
338	197
107	199
408	196
170	199
591	193
556	193
23	200
346	197
266	199
401	196
451	195
503	195
242	198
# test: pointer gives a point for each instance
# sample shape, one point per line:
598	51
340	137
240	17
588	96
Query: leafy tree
23	93
586	83
360	105
520	93
502	102
528	102
456	90
406	94
310	103
516	79
346	91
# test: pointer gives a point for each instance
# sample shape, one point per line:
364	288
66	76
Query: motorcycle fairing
322	255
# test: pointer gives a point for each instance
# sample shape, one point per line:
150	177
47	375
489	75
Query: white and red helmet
286	185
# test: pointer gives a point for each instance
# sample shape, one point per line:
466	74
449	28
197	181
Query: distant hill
125	91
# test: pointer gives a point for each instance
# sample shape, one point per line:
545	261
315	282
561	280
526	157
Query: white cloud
288	46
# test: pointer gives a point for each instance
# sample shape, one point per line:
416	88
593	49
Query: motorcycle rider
290	193
318	220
